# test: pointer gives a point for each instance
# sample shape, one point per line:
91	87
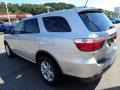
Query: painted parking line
1	81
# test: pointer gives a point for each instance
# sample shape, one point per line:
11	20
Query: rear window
96	21
56	24
31	26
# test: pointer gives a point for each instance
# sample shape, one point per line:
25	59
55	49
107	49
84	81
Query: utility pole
8	13
48	9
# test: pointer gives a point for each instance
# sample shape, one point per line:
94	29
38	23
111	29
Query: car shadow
19	74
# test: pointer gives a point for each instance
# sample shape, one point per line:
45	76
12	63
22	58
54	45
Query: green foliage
59	6
2	8
111	14
34	8
42	8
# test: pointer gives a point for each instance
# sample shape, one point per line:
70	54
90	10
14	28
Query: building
117	9
14	17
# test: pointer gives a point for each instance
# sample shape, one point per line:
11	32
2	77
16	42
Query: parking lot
19	74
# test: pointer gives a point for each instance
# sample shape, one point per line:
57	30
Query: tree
34	8
41	8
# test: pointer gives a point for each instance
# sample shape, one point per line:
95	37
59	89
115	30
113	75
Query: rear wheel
49	70
8	50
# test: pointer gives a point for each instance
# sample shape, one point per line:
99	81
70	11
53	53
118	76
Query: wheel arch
42	52
5	42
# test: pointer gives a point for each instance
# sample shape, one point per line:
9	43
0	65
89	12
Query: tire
8	51
50	72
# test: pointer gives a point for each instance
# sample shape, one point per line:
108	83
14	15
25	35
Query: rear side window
56	24
31	26
96	21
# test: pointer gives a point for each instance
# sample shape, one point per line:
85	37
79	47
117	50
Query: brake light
89	45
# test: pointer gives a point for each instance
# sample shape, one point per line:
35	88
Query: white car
79	42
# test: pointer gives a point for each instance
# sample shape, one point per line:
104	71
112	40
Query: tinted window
31	26
96	21
56	24
19	27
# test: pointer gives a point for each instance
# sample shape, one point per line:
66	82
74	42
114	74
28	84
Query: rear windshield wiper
110	27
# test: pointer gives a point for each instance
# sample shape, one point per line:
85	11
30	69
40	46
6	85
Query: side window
19	27
56	24
31	26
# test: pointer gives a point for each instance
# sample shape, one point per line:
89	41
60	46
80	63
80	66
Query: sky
104	4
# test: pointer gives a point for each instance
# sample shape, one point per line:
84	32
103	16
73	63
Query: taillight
89	45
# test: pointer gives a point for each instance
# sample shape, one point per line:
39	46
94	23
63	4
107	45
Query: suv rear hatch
103	32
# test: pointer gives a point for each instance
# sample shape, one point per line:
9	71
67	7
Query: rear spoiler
92	11
89	9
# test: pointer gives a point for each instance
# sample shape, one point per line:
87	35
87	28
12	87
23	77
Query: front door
30	40
15	38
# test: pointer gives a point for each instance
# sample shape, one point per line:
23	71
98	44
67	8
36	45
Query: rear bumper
95	77
89	69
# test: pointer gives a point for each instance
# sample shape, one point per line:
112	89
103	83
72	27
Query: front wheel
49	71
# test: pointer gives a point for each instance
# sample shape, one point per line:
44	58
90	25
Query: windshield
96	21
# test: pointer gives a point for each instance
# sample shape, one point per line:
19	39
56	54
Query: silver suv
79	42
